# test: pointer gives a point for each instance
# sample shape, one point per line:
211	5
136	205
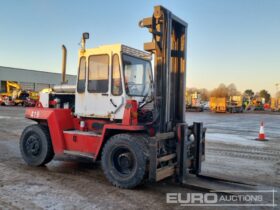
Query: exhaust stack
64	57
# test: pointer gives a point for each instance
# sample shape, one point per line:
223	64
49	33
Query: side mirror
85	35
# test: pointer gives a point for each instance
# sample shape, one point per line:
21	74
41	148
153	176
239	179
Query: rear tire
124	160
36	146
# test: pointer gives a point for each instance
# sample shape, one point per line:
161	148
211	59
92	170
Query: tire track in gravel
83	186
57	187
254	154
7	205
248	149
277	172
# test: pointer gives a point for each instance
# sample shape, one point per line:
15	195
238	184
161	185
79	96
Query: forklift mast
169	48
169	39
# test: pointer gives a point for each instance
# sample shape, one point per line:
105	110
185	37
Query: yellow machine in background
14	95
275	104
10	96
234	105
222	105
33	95
218	105
11	87
237	100
46	90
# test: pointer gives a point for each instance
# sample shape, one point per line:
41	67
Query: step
86	133
80	154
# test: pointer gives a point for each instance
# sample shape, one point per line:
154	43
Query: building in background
31	79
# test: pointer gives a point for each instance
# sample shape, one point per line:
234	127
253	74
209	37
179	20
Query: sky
229	41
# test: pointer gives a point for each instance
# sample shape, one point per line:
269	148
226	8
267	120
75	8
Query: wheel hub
33	145
123	161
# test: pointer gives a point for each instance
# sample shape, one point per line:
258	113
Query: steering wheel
132	87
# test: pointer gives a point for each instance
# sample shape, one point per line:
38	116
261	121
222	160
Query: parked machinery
222	105
193	103
14	96
10	94
123	114
218	104
275	104
235	104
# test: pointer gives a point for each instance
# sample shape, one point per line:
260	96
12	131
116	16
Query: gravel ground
69	183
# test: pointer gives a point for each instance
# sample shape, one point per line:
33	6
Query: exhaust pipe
64	57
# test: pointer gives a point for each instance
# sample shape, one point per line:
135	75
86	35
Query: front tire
36	146
124	160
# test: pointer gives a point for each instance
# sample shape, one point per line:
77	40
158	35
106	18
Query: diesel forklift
122	112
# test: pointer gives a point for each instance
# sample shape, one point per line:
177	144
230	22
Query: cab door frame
101	104
117	100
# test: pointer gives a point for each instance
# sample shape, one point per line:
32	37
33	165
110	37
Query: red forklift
121	112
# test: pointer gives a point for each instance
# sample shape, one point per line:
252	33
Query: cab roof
115	48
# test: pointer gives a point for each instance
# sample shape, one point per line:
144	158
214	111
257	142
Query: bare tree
277	94
220	91
204	93
249	93
225	91
265	94
232	90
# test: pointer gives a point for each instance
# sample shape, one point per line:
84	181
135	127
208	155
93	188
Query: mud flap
190	149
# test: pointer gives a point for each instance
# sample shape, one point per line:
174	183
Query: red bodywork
66	133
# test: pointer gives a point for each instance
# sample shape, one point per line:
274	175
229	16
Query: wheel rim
32	145
123	161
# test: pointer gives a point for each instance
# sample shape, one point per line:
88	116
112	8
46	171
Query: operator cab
108	76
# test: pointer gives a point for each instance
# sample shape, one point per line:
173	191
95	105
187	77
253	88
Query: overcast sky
229	41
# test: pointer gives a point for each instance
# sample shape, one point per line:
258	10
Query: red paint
179	136
261	136
266	106
38	104
52	103
60	120
261	133
83	143
130	115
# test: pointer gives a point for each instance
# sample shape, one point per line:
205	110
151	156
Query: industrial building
31	79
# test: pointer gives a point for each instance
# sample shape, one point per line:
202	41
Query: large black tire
36	146
124	160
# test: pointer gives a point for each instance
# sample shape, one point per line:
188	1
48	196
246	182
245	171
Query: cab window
98	73
116	83
82	76
137	76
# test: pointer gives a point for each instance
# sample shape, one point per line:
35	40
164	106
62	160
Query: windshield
138	76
